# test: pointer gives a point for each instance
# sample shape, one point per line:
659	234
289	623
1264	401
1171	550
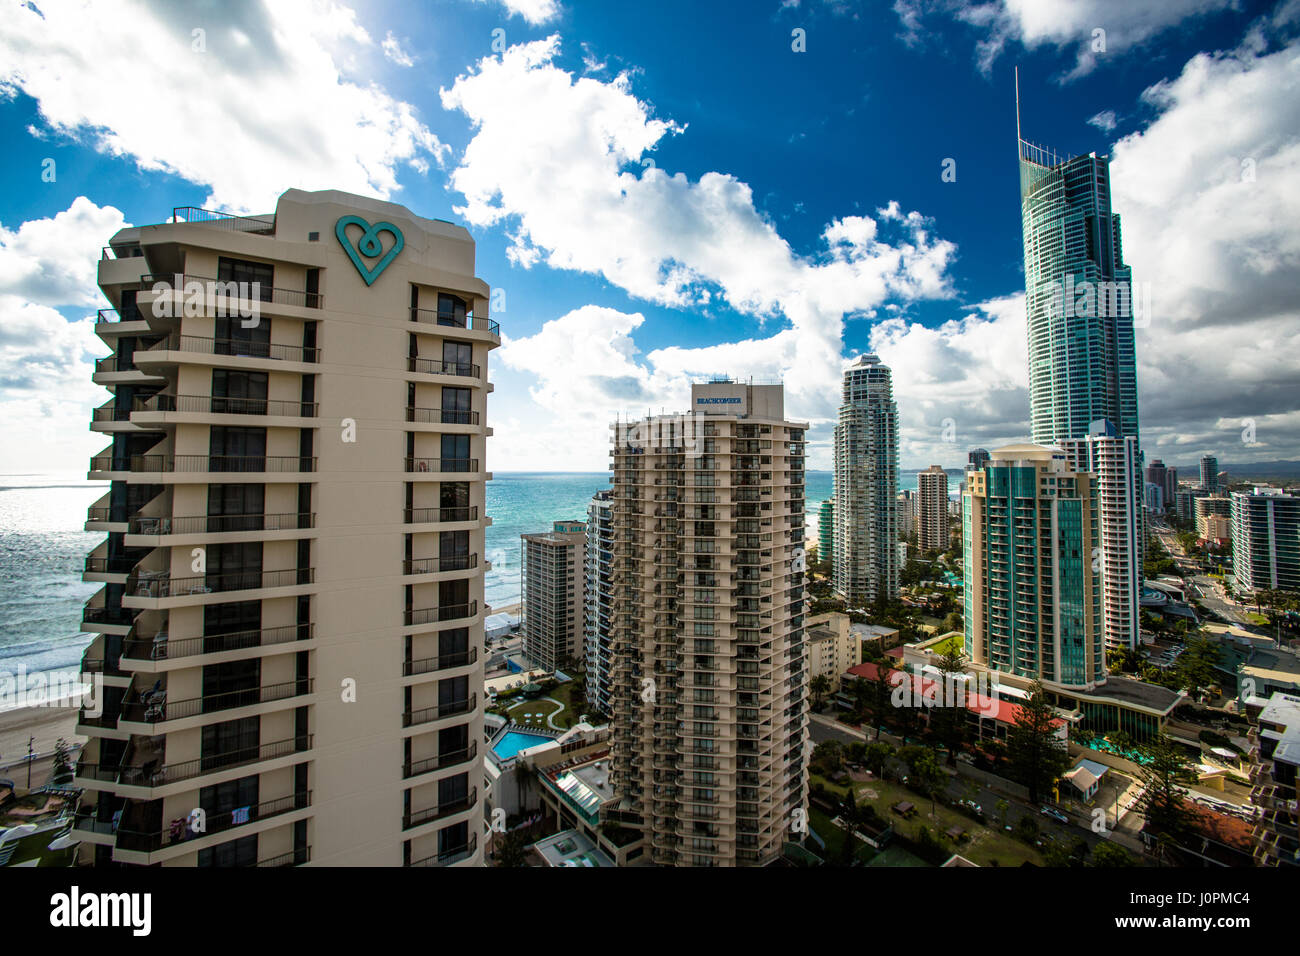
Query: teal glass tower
1079	298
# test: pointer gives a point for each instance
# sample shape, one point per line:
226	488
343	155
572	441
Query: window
451	310
455	453
456	406
237	449
457	358
238	393
245	270
235	507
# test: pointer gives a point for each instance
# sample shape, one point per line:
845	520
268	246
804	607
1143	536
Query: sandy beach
507	609
46	724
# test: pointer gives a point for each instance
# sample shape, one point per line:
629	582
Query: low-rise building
1275	750
832	647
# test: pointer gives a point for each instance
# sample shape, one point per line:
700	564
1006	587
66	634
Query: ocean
43	547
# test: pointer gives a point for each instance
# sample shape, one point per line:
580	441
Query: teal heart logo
369	245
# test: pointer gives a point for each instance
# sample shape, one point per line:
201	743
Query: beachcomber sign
369	245
718	401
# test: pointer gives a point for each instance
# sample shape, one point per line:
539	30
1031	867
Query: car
1056	815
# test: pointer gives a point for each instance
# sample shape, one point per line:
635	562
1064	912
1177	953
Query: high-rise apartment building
865	565
1113	461
1158	475
1171	487
709	677
1275	766
292	608
977	458
1210	474
932	509
598	599
905	515
553	571
1265	540
1032	598
826	530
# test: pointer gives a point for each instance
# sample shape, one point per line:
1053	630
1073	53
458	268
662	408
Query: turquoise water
514	741
43	547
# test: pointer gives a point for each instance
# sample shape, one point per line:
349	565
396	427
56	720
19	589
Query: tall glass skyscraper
1079	298
865	555
1082	364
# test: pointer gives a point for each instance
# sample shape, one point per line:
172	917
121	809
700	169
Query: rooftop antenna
1018	140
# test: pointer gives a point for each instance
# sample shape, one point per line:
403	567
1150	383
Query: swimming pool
513	741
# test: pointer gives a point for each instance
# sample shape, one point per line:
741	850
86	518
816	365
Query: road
1204	588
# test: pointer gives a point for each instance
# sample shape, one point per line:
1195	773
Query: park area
946	829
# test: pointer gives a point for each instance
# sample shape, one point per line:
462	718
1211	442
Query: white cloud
52	261
535	12
269	102
1064	24
1106	121
559	160
392	48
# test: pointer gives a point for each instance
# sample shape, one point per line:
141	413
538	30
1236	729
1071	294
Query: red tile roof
1003	711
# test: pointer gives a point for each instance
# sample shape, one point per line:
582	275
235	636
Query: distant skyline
664	198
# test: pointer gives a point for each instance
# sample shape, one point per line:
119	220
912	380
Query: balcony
449	320
427	665
292	858
434	615
441	762
442	465
439	367
235	348
448	857
195	464
154	775
430	515
225	405
452	562
161	648
226	291
157	526
442	416
138	585
427	715
152	841
420	817
158	709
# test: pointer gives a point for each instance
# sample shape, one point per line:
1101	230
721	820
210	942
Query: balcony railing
138	711
443	465
163	774
217	524
190	464
236	348
223	220
116	616
451	320
166	587
441	762
426	715
449	612
442	416
292	858
448	857
439	367
451	562
225	405
427	665
227	290
150	841
427	515
163	648
410	820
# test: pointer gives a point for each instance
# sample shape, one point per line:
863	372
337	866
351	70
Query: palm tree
819	685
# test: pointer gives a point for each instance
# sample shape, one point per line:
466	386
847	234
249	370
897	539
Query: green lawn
537	711
954	644
983	844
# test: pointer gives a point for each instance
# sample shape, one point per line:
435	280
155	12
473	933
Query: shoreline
45	724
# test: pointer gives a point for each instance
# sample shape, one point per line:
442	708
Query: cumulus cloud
535	12
1063	24
1210	223
559	161
52	261
256	97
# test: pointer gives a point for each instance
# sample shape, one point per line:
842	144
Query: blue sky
667	191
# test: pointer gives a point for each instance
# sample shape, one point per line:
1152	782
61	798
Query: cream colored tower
292	612
932	509
708	675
